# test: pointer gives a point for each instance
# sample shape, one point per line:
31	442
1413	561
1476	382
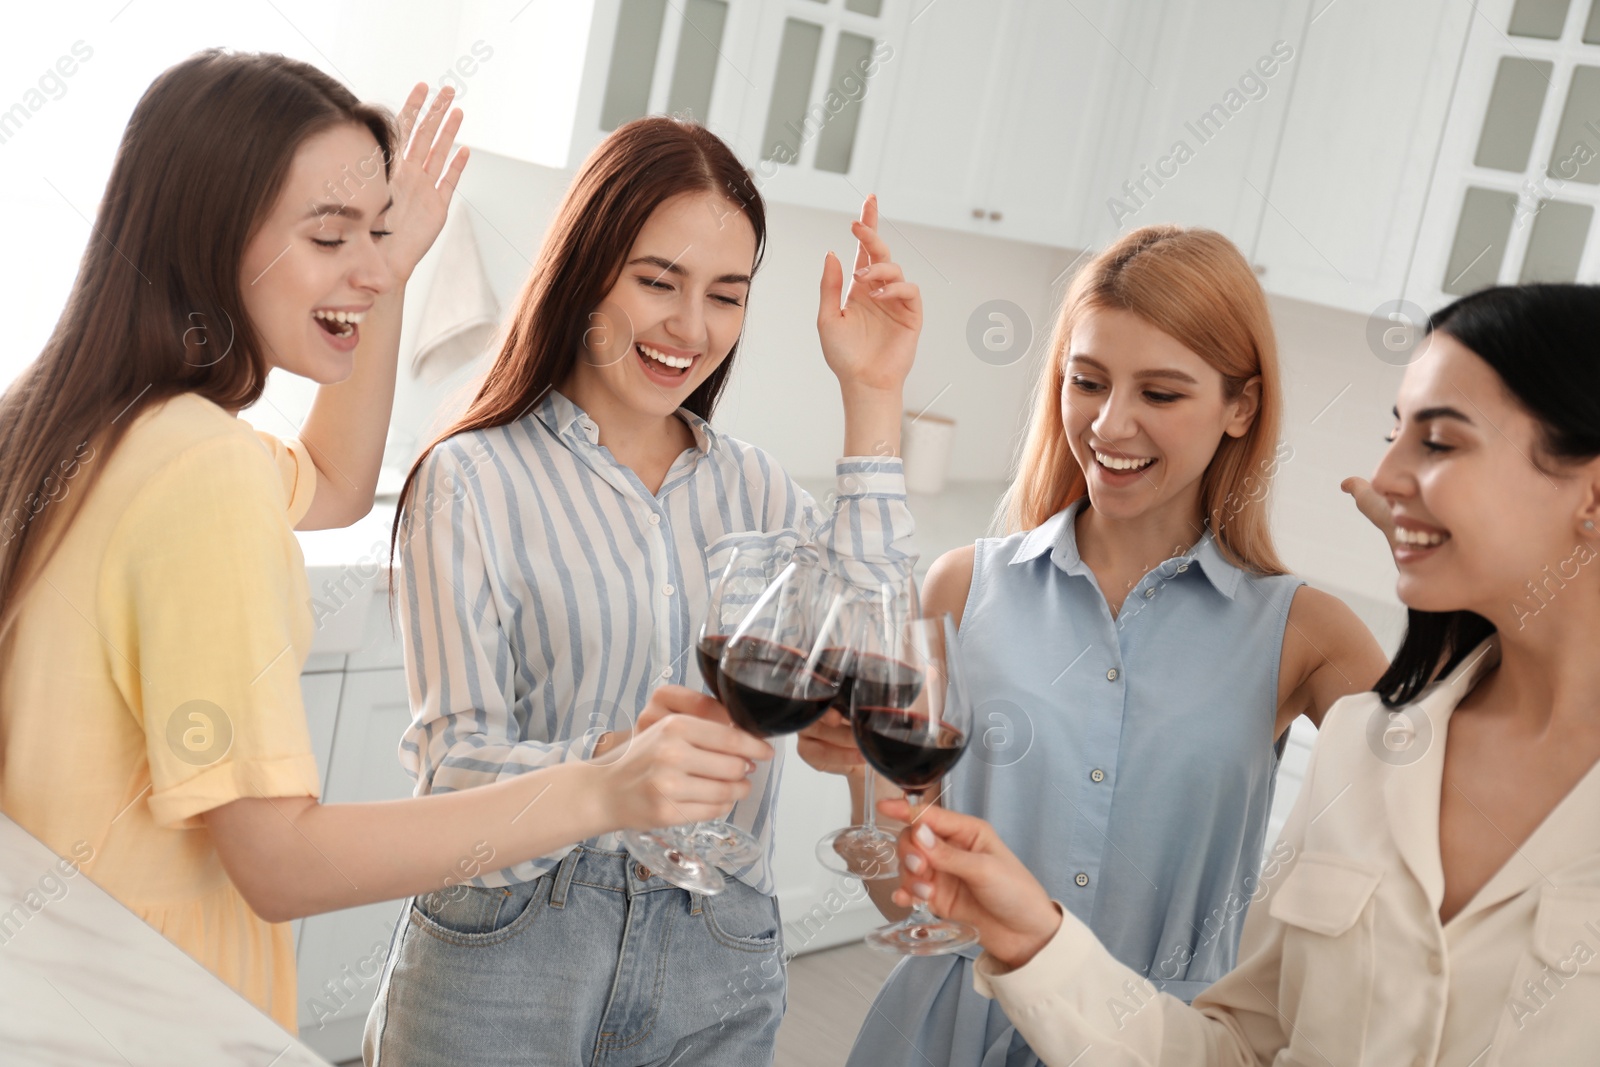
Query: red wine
829	665
880	682
768	690
709	652
901	747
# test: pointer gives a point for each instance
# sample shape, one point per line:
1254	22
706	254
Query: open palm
871	341
419	181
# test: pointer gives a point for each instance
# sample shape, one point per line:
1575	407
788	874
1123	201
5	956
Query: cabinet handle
977	212
994	216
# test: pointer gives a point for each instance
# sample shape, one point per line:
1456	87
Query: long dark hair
158	297
631	173
1540	340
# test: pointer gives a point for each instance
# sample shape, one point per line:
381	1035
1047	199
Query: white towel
461	313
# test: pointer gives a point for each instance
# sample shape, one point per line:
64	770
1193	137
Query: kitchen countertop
84	981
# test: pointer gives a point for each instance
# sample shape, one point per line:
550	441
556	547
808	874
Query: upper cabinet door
939	145
1518	181
1199	94
1372	89
817	98
1056	68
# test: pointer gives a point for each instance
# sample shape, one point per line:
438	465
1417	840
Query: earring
1589	525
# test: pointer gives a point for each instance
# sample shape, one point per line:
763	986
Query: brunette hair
1540	340
202	161
1195	286
632	172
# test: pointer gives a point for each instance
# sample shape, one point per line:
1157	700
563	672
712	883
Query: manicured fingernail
922	890
862	271
914	862
877	292
925	837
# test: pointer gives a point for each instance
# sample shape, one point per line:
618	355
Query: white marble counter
84	981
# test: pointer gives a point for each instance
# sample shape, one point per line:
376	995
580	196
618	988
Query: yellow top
153	673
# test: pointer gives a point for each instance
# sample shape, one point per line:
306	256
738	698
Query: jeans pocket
742	918
467	915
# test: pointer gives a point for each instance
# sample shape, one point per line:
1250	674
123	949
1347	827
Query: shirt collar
566	420
1058	535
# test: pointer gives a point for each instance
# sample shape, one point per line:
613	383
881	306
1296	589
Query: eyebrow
1166	372
671	267
344	211
1429	414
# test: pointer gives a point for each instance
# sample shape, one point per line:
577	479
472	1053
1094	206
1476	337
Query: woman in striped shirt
543	609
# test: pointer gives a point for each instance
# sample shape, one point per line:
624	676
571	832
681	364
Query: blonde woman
1134	644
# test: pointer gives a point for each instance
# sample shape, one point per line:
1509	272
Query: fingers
409	112
871	243
685	701
421	143
439	150
879	274
869	218
731	740
453	174
906	292
832	288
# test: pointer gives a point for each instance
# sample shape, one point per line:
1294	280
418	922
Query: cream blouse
1343	959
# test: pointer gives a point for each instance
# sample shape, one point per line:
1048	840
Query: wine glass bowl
912	728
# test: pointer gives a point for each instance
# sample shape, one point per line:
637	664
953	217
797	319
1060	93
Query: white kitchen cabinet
995	118
1514	195
341	954
1194	104
1373	83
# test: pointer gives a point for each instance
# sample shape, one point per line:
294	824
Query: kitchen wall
783	397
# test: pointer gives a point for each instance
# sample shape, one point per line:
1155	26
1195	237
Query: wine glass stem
869	807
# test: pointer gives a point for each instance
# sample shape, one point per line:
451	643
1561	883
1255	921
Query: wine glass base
911	938
860	851
672	854
725	843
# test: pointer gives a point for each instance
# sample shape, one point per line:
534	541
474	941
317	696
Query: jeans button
641	872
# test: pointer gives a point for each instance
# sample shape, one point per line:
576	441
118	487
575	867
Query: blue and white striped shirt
547	592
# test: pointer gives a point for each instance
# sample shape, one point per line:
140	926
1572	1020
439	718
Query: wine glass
688	855
876	619
913	730
772	678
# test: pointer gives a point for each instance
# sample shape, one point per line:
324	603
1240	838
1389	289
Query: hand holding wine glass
957	866
913	729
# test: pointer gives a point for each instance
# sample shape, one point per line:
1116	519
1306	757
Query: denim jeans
599	963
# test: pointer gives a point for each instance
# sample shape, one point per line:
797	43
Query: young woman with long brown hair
1137	648
154	613
571	581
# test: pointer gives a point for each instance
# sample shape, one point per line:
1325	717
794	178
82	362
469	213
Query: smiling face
316	264
673	315
1144	414
1476	518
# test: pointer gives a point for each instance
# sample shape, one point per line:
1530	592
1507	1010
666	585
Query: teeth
351	317
1123	464
1418	537
678	362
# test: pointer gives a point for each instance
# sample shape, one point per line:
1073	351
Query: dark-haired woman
154	614
572	580
1443	901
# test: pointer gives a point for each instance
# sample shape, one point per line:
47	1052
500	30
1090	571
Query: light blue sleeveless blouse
1127	761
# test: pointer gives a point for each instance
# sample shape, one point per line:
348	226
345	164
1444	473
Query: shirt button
654	520
642	872
1435	964
667	590
1097	775
1148	593
1081	878
666	672
1111	675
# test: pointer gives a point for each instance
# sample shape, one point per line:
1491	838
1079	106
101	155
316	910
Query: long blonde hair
1196	287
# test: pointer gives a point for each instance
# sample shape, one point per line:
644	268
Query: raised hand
961	868
419	180
869	342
